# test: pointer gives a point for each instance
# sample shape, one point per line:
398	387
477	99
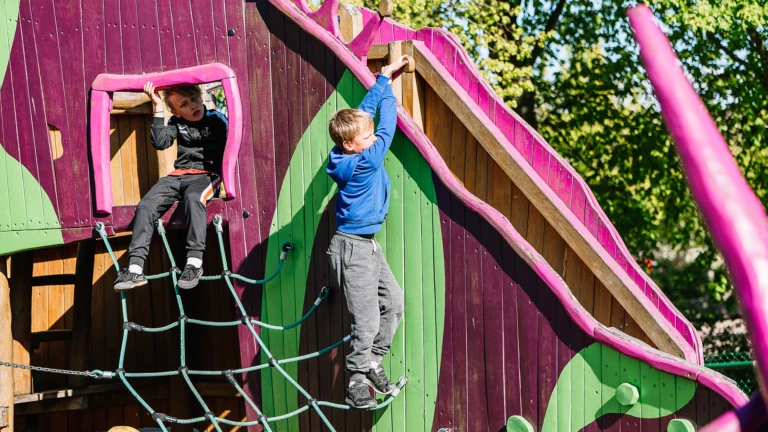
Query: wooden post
351	23
81	325
413	90
6	352
20	284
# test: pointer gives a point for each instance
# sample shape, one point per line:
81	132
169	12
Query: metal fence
737	366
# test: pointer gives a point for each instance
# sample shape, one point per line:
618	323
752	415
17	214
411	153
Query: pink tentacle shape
363	41
730	208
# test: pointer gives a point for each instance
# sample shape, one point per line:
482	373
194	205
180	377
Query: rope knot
312	402
175	269
209	415
245	320
273	362
183	369
132	326
164	418
226	273
119	371
183	319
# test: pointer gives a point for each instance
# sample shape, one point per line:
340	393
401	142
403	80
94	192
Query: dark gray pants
374	299
193	191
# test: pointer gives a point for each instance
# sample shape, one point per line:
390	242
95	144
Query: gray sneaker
190	276
359	395
128	281
378	381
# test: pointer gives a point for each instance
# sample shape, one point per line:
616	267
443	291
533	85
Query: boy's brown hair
187	91
346	124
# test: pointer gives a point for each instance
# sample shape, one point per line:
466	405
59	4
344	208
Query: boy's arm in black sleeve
162	135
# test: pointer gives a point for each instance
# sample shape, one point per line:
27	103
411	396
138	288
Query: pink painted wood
751	416
575	311
733	212
101	102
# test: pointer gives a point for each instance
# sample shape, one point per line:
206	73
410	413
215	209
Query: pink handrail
730	208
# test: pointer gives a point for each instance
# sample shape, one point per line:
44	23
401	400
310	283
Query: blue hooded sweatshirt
363	200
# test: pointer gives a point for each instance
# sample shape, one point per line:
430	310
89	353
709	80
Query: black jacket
200	144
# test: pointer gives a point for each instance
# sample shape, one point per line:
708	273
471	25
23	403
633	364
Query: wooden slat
51	336
543	199
6	352
53	279
21	307
350	21
81	325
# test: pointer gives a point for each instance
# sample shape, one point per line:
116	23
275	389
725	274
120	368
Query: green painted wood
680	425
627	394
601	382
396	260
408	232
432	346
414	296
578	392
667	395
563	406
19	240
593	375
8	15
518	424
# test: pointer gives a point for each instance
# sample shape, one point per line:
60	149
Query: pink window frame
101	104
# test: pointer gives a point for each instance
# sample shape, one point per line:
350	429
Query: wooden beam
21	327
81	325
413	91
544	199
69	404
6	353
51	336
378	52
62	279
351	21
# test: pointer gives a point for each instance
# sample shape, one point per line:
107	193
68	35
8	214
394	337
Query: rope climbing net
128	326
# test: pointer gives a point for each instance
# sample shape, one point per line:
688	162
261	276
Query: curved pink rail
576	312
555	172
101	103
732	211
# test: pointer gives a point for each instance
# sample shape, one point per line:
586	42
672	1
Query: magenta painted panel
512	333
279	94
220	29
578	201
445	397
528	319
75	139
523	140
167	35
202	22
477	394
458	270
129	23
483	101
547	347
604	237
113	39
497	293
192	75
149	36
44	57
100	154
560	180
591	221
540	161
620	260
26	136
637	277
184	32
399	33
473	88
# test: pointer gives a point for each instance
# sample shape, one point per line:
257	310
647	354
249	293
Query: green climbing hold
518	424
680	425
627	394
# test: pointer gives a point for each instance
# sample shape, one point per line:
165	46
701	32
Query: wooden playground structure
524	308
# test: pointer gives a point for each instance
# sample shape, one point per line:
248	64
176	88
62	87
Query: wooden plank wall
152	305
136	165
508	341
482	176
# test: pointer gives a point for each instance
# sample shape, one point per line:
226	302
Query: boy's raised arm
385	130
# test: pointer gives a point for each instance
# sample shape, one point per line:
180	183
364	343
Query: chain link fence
737	366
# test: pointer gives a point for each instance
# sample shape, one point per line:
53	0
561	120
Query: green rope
128	326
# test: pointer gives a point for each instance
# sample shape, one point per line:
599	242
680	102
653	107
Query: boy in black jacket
201	136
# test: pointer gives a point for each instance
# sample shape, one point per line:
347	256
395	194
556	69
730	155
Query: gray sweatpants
193	191
374	299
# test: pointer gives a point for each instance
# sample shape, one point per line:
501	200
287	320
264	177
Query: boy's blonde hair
346	124
187	91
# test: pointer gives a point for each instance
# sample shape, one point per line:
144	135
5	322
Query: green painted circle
680	425
518	424
627	394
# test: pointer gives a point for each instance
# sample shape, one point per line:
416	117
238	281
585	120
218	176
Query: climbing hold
518	424
680	425
411	66
246	215
386	7
231	32
627	394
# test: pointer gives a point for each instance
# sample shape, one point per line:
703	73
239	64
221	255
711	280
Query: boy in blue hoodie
374	299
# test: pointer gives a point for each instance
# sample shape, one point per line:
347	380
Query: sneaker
127	280
378	381
190	276
359	396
